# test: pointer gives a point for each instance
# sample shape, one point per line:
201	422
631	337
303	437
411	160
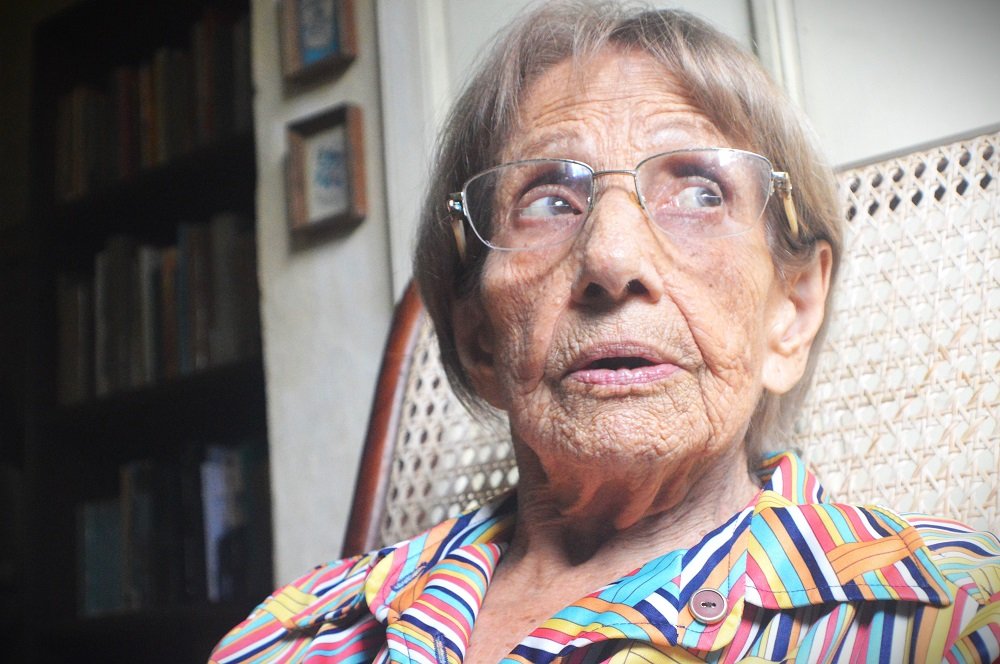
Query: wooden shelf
220	402
210	178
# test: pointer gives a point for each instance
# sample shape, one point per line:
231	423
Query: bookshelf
146	483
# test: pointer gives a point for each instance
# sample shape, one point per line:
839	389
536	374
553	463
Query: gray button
708	606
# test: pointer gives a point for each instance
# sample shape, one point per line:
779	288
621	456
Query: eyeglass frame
779	182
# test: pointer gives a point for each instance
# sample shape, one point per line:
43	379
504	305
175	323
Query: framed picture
318	38
326	171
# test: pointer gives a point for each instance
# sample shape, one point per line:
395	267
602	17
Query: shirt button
708	606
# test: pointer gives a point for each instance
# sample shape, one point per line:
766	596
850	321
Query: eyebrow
557	142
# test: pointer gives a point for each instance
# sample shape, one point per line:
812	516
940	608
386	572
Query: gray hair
723	80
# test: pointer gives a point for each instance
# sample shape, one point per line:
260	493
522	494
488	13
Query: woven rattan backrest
906	403
426	458
905	410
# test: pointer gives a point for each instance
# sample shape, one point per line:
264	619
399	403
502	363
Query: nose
616	251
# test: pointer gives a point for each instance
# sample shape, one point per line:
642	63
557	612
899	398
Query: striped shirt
804	580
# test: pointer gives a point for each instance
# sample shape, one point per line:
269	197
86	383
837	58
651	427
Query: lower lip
637	376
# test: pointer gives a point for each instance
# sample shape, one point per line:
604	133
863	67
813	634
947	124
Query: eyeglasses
696	193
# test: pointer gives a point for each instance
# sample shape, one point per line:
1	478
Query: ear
796	312
474	341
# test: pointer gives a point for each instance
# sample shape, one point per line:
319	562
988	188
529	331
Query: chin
611	437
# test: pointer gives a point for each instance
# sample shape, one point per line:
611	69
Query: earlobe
474	343
795	320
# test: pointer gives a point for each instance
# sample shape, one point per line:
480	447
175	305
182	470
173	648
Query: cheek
725	312
524	300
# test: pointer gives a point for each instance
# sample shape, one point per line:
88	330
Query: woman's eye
547	206
699	196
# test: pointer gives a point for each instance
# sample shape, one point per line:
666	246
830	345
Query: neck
614	519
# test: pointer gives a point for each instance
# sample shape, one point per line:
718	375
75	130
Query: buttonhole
406	578
440	654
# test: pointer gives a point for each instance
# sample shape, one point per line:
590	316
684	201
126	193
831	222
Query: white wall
325	309
881	76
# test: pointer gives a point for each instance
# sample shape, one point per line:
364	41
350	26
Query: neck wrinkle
613	529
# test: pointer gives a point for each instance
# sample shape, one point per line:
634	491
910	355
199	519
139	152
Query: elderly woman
628	246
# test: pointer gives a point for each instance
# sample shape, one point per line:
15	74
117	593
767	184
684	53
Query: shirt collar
788	549
803	550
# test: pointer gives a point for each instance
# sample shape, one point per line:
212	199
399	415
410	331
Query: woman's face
624	343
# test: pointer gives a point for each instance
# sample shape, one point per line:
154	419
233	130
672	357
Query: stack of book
148	114
153	313
179	533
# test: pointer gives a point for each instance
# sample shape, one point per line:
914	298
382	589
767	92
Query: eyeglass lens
694	193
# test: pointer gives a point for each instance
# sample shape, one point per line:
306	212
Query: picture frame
318	38
326	171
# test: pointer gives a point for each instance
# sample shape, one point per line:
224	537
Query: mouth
618	363
613	367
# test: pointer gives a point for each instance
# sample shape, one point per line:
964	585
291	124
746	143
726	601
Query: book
242	77
64	148
120	312
125	104
149	261
194	296
102	314
248	295
161	102
225	229
224	74
163	563
222	486
75	321
192	534
138	533
169	355
148	140
202	35
99	557
181	108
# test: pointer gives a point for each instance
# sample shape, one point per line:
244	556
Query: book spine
223	346
242	76
184	287
149	314
148	144
75	339
169	305
102	336
204	80
127	122
99	557
138	533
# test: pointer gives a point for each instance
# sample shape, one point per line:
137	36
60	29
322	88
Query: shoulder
289	618
968	558
347	601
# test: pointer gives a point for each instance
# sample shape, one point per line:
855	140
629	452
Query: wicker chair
906	406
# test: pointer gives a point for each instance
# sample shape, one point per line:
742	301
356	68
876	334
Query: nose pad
616	255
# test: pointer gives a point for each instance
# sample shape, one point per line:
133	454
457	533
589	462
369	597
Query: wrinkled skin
644	458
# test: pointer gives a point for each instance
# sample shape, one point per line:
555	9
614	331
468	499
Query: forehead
611	105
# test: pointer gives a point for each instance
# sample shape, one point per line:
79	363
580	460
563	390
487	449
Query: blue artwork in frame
318	30
325	171
318	38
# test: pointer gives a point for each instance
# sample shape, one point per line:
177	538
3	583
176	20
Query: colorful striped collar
789	549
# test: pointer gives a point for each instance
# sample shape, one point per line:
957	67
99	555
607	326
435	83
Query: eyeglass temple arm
456	209
783	185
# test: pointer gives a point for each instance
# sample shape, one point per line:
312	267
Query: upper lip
619	350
